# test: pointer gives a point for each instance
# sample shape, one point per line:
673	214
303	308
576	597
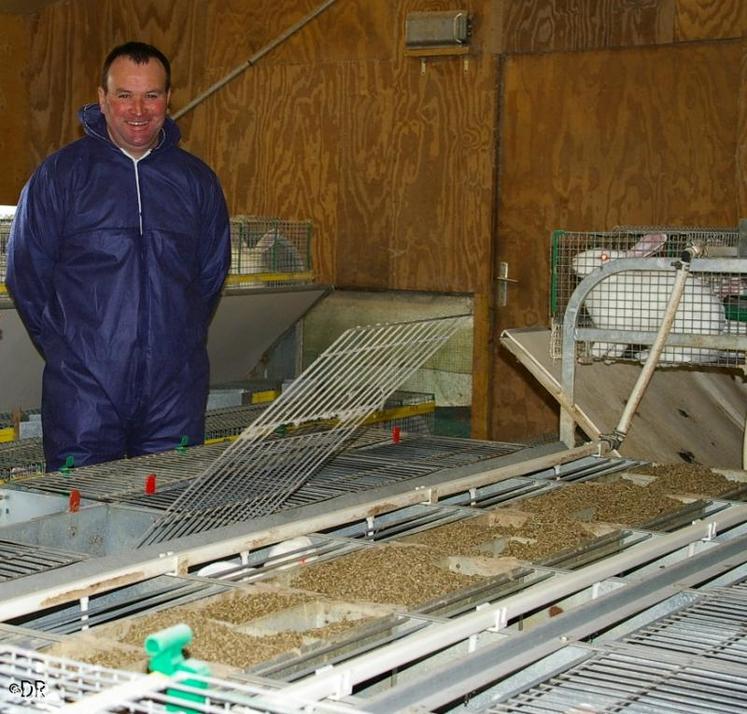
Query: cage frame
573	334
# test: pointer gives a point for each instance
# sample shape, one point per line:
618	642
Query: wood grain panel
346	31
273	139
365	245
706	19
741	152
443	173
14	106
550	25
63	74
648	137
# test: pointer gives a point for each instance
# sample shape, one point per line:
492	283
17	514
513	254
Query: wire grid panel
712	303
714	626
22	458
5	222
269	252
635	680
30	681
347	383
18	560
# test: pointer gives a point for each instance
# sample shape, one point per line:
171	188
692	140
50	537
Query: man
117	255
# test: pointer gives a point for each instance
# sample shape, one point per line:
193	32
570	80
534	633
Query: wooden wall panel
443	172
552	25
649	137
741	152
273	139
366	244
346	31
706	19
14	106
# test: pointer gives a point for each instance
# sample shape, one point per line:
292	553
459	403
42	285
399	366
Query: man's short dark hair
139	53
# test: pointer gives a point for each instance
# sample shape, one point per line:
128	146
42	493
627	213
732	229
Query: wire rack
269	252
712	627
692	660
323	407
5	222
713	303
30	681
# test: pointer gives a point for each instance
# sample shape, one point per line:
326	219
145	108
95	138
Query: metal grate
19	559
21	458
230	421
636	682
590	467
269	252
444	452
713	303
349	472
114	479
715	627
27	638
347	383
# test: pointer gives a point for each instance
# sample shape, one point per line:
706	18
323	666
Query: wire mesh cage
634	301
5	222
269	252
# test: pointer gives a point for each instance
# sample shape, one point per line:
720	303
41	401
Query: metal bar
253	59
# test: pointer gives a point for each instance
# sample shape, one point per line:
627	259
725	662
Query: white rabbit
636	300
273	252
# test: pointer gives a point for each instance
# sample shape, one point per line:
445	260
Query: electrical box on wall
433	33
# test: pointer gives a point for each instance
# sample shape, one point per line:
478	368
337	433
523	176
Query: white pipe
339	680
656	349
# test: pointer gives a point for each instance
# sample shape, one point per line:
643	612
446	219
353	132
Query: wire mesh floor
20	559
693	660
634	681
375	461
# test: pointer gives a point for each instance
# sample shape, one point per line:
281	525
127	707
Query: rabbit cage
265	252
621	314
5	222
269	252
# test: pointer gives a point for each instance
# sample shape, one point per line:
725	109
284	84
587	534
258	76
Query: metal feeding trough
96	531
17	506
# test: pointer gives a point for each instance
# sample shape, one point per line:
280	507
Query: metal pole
253	59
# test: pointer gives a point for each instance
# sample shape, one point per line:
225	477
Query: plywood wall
595	140
390	157
424	175
14	106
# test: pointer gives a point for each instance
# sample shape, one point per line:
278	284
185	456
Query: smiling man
118	252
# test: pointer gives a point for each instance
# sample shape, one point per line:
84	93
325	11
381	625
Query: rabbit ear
648	245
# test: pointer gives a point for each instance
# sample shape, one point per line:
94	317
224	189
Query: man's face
135	103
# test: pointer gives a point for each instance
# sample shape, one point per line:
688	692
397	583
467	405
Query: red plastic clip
74	501
150	483
395	435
